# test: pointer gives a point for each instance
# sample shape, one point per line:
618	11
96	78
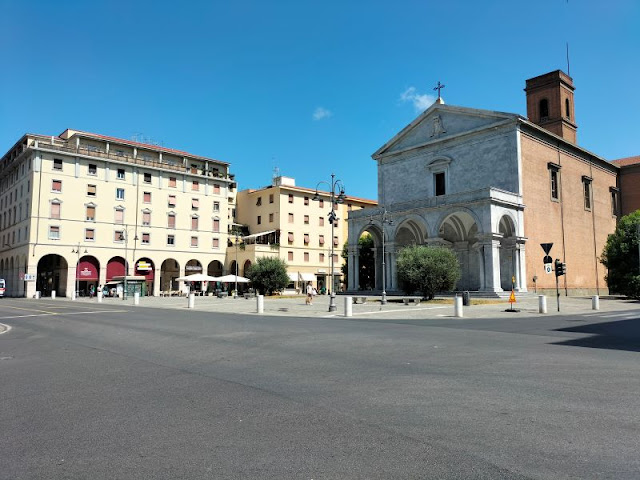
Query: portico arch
52	275
459	231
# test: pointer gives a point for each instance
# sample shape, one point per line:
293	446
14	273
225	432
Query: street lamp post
335	184
77	251
235	292
385	218
125	236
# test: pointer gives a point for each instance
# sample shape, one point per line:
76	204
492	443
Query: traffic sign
512	297
547	259
546	247
548	267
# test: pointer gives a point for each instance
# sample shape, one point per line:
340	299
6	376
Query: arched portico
52	273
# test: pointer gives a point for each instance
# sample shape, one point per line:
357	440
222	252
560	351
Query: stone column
521	265
351	268
157	280
377	269
492	264
356	268
392	266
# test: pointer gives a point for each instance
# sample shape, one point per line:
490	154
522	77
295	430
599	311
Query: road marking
65	313
620	315
31	309
6	328
387	311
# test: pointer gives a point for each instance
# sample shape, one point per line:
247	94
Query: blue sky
310	87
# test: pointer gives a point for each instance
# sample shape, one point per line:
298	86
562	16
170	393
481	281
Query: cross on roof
438	88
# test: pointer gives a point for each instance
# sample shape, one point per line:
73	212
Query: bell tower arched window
567	109
544	109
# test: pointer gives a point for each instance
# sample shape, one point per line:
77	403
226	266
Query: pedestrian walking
309	300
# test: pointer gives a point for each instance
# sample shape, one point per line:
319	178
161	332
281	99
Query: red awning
115	268
87	269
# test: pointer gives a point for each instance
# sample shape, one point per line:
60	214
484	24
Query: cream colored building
284	220
90	204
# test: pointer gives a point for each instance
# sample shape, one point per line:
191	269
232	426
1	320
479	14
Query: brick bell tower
550	104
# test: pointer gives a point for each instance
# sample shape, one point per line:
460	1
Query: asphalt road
93	391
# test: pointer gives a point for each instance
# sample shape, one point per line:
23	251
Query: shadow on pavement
616	335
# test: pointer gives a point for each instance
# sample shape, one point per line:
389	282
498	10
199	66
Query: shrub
620	256
268	275
427	270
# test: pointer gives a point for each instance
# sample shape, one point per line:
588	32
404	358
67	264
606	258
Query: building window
194	223
171	240
120	193
56	186
291	218
615	201
216	189
335	241
216	206
118	236
321	257
92	169
290	256
306	256
321	221
271	218
55	210
271	198
91	190
306	219
554	179
147	178
259	219
57	164
290	198
91	213
146	218
54	232
171	220
335	258
321	240
586	189
172	182
567	109
89	234
321	203
290	237
195	204
172	201
216	225
194	241
120	174
306	239
119	220
306	200
544	109
146	197
215	242
146	238
259	201
195	186
439	180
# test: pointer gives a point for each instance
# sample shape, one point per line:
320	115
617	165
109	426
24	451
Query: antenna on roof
568	68
276	170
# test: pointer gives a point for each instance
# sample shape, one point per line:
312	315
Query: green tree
620	256
268	275
367	269
427	270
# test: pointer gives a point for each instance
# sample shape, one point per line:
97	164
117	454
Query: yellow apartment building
80	210
284	220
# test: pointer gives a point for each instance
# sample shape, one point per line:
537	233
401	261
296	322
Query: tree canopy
268	275
427	270
620	256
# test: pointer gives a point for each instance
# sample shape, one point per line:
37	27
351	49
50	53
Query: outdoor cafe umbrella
232	279
198	277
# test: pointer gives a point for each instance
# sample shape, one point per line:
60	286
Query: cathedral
493	187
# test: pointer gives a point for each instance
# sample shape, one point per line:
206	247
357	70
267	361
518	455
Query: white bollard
542	304
260	303
99	297
595	302
136	298
53	294
192	301
457	307
348	306
38	294
74	295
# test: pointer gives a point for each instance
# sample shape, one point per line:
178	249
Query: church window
586	188
544	109
439	180
615	201
567	110
554	179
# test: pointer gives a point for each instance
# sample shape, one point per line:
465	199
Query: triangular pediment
440	122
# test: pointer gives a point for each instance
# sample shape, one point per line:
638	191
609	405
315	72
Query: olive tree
268	275
620	256
427	270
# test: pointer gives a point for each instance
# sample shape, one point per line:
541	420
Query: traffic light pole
557	292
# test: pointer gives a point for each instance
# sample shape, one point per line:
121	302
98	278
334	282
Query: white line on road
54	314
6	328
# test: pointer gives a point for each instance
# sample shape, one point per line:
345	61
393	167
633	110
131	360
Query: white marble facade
450	178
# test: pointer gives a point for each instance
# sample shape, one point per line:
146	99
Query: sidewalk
527	306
